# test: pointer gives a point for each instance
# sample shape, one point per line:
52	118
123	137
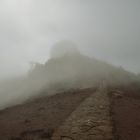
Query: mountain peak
64	48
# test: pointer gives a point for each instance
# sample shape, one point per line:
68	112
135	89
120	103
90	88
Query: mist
67	69
30	30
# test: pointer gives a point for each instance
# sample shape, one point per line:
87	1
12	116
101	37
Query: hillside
66	69
75	70
86	114
69	97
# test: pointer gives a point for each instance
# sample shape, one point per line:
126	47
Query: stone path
90	121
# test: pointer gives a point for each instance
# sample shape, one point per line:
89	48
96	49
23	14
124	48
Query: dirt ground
37	120
40	118
126	115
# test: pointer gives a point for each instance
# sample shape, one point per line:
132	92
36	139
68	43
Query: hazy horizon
108	30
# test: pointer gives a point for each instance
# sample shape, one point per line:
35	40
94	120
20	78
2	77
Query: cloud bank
108	30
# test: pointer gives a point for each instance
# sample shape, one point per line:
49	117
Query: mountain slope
66	69
75	70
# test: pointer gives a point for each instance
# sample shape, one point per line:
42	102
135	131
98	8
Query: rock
105	128
66	138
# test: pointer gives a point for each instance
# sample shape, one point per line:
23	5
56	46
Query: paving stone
90	121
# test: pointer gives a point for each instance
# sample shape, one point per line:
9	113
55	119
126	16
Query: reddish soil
38	119
126	115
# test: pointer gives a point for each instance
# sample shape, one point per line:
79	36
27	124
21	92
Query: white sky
106	29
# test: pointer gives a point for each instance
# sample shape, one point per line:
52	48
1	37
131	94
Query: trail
82	114
79	115
91	120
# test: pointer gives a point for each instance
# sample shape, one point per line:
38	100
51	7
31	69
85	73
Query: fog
66	69
107	30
